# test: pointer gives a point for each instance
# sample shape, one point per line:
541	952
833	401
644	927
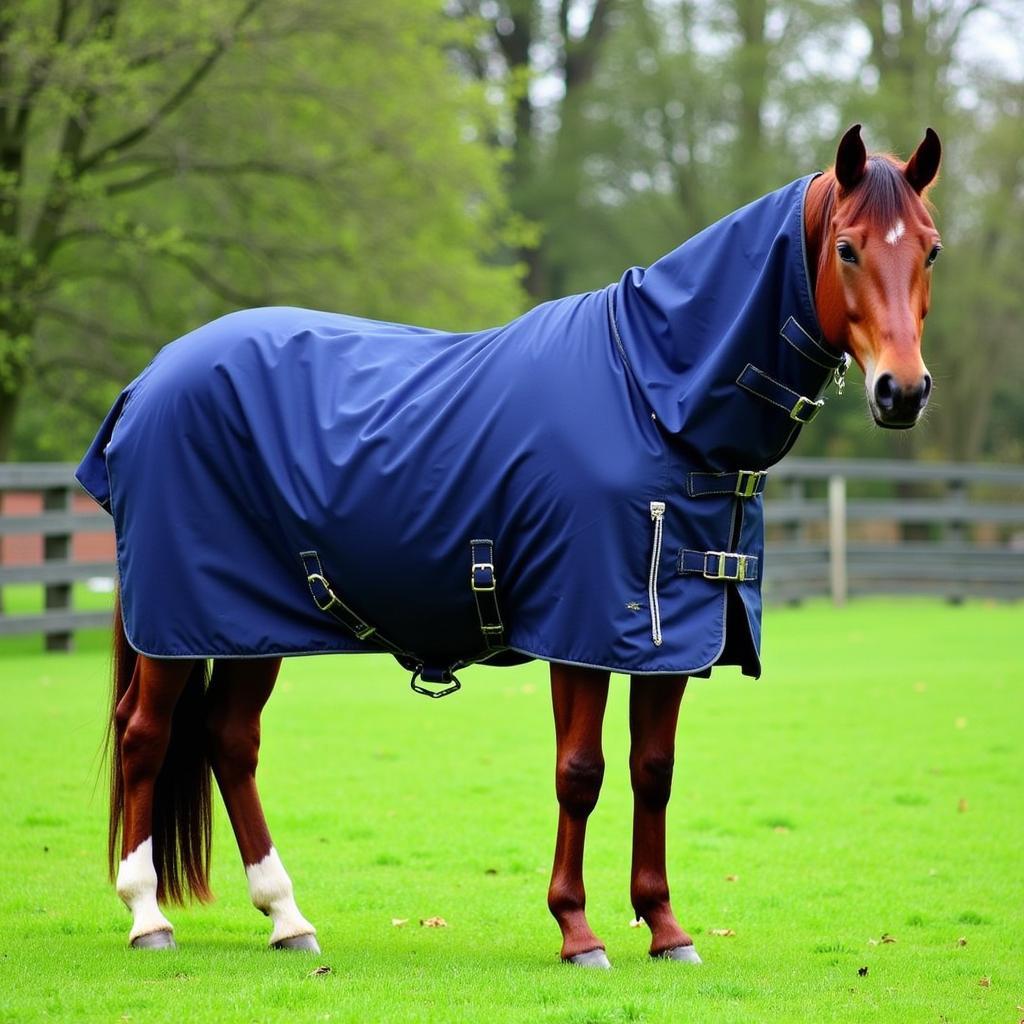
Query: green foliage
397	161
812	813
182	160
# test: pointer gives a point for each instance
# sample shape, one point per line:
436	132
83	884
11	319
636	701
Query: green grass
870	783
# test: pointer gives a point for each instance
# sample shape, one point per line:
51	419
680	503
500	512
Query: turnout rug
581	485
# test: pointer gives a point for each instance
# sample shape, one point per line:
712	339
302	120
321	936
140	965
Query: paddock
844	841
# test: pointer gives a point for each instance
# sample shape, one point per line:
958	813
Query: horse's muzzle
898	407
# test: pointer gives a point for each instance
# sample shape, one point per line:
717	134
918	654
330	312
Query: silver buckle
316	577
482	566
805	403
747	481
720	573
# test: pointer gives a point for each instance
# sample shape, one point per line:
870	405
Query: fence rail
836	527
843	527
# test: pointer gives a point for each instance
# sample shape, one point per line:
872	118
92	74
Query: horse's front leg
238	692
578	696
653	713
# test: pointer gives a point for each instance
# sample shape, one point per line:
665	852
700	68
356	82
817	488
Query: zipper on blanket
658	518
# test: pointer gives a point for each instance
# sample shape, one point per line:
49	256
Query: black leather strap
728	566
799	407
744	483
484	584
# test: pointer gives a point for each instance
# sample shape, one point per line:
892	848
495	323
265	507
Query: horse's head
873	244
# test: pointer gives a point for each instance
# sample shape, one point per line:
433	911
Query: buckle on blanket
720	571
747	481
797	412
481	577
446	677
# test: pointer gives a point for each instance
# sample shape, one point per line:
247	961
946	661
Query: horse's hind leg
578	696
143	718
236	697
653	713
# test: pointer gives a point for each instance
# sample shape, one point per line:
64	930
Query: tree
161	164
542	55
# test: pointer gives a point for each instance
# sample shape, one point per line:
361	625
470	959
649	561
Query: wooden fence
834	527
848	527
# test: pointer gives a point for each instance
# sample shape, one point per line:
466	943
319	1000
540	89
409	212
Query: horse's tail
181	798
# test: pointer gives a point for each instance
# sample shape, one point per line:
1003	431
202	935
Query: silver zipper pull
658	518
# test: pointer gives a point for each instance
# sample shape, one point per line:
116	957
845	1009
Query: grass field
872	783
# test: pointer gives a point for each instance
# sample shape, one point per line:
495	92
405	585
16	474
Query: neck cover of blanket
607	445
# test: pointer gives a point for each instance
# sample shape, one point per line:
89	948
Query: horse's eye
846	252
933	255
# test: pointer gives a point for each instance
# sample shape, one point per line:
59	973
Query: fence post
57	547
837	576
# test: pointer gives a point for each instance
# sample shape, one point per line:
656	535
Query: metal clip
487	567
747	481
418	687
839	375
720	572
806	403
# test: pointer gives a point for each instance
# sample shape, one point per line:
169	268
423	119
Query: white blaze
896	232
136	885
271	891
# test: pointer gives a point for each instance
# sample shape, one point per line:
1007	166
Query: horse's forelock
883	195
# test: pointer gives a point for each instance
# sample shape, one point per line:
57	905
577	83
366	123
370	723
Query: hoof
162	939
302	943
684	954
592	958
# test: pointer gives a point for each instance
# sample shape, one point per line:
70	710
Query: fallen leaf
872	942
433	922
319	972
726	933
886	937
732	878
962	941
781	828
636	922
398	922
862	971
985	982
962	804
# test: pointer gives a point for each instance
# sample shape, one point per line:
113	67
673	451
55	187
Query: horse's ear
851	159
924	164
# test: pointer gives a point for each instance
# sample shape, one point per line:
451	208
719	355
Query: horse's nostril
885	391
926	388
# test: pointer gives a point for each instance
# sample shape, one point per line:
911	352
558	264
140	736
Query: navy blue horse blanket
598	462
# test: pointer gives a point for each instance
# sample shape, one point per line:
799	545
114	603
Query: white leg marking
271	891
136	885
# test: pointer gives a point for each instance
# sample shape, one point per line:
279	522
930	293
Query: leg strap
484	585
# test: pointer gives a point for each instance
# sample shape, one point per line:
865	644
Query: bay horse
858	269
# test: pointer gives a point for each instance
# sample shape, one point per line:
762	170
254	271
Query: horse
834	268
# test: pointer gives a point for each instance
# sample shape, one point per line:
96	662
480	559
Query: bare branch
170	170
174	101
219	288
99	329
40	71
